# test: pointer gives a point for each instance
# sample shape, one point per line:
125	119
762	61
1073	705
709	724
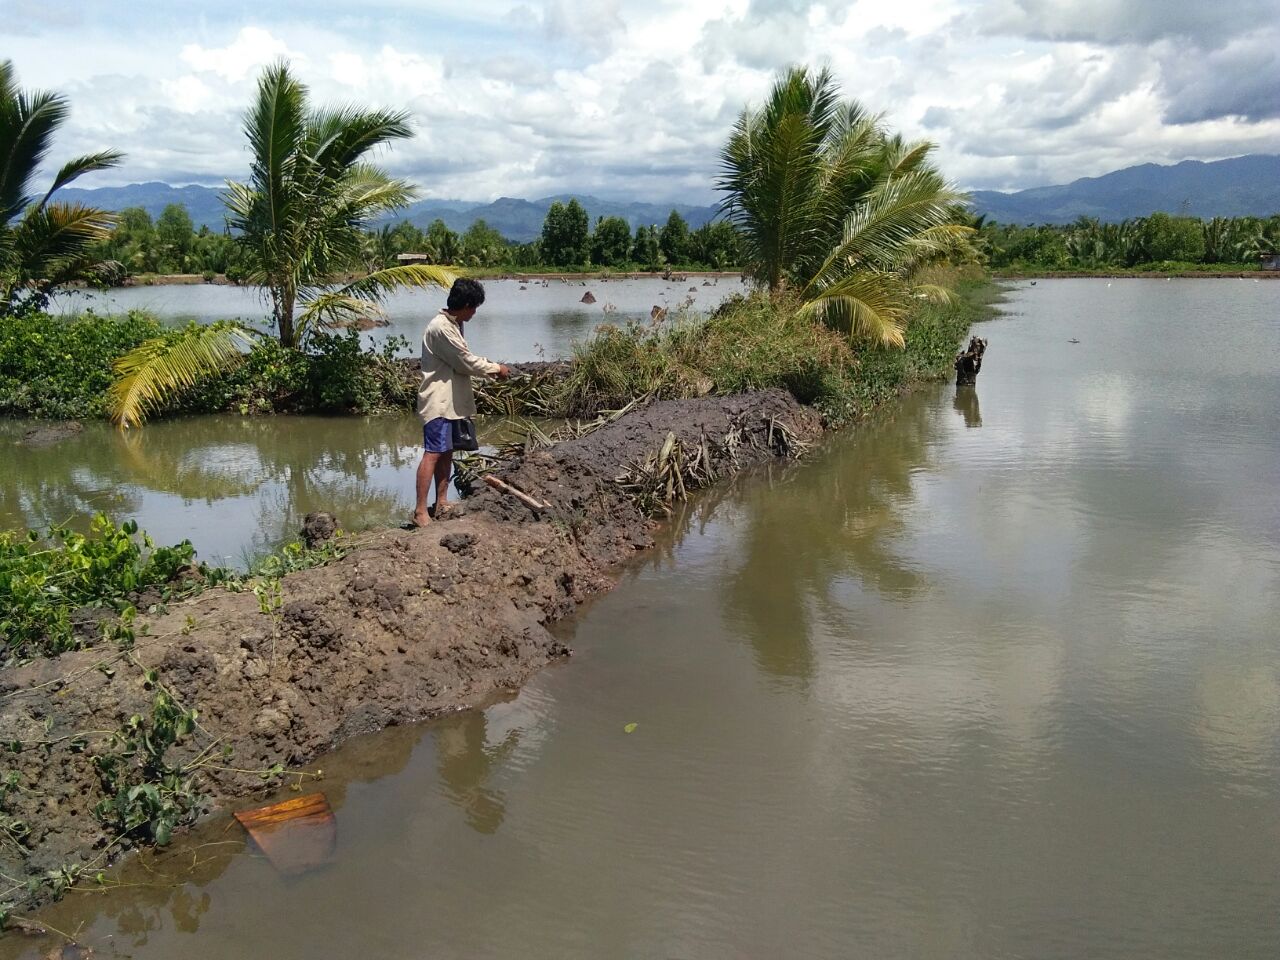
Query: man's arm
448	345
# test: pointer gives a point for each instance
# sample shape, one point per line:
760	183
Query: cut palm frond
158	370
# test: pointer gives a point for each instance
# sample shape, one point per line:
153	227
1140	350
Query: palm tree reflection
839	519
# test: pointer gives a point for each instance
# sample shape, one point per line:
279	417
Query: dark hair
465	293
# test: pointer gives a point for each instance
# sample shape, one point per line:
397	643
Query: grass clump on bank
755	342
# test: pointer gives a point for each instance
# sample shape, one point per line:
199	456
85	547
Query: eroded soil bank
408	625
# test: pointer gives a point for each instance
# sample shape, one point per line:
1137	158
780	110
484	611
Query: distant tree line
171	243
1159	238
568	241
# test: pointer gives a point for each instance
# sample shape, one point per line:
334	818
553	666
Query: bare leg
426	472
443	466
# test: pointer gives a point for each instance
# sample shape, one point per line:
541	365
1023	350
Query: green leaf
630	727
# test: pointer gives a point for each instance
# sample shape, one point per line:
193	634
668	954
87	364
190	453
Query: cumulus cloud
632	99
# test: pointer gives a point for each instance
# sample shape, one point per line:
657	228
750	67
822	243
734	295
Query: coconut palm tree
833	209
43	244
300	222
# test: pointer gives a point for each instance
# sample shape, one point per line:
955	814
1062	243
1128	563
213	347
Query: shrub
60	368
44	580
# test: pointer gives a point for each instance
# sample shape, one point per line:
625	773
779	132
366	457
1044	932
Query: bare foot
441	510
420	519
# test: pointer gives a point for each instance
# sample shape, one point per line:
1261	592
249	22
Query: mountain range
1241	186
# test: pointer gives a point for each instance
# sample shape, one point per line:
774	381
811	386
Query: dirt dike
410	624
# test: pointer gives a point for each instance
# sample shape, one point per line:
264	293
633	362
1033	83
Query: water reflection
235	486
966	404
466	762
795	549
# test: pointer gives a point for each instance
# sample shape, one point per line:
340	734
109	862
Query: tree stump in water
969	363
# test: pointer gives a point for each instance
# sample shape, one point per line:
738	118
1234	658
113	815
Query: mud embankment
410	624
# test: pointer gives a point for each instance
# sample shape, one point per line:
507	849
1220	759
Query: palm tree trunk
284	302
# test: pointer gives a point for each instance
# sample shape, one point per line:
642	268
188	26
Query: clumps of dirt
48	434
408	625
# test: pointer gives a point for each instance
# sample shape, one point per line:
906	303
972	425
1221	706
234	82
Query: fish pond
994	675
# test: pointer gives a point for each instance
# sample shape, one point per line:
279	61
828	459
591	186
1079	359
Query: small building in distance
413	258
1270	260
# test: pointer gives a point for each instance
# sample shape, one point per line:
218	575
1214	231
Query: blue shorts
437	435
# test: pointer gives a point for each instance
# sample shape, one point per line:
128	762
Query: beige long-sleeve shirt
447	368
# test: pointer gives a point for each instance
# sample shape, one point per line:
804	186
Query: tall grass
754	342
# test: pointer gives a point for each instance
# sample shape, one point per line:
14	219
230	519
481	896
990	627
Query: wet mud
408	625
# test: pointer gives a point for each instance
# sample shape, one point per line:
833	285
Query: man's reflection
465	762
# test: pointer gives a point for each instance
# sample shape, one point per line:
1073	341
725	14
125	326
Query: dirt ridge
408	625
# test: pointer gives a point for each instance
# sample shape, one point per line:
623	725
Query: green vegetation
63	368
56	368
170	245
567	243
299	223
43	244
1159	242
46	581
751	343
836	212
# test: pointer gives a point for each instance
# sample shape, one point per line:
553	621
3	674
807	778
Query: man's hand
504	372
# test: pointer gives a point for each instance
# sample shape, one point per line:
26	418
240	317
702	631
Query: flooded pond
997	675
519	321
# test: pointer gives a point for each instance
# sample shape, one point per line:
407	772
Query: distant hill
1243	186
1239	187
203	203
515	219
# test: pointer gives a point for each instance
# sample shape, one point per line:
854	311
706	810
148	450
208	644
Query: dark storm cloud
1215	59
1241	79
1200	22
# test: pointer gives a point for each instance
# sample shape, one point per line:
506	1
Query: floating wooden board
296	835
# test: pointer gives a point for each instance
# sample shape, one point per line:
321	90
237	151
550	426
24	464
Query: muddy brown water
997	675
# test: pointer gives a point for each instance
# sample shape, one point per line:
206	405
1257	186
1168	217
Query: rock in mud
588	297
317	528
46	434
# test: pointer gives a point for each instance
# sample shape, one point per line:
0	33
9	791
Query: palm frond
75	169
160	369
868	304
336	310
60	231
28	121
339	137
361	298
413	276
275	126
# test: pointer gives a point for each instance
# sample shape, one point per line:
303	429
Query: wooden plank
296	835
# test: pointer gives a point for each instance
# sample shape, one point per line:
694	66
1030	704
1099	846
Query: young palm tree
833	209
300	222
43	244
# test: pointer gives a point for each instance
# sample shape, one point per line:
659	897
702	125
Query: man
446	395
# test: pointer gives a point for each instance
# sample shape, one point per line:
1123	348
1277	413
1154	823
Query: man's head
464	297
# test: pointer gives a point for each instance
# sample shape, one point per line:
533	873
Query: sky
633	100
